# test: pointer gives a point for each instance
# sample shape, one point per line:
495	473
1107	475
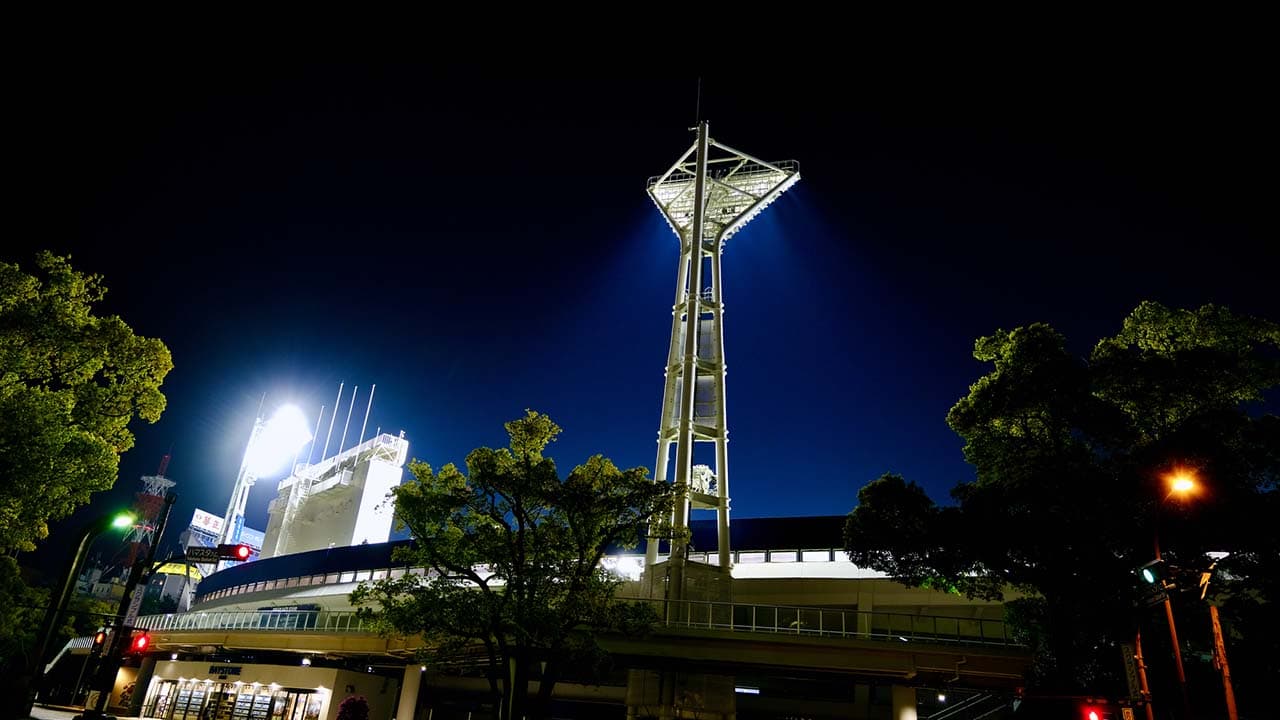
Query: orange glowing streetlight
1182	483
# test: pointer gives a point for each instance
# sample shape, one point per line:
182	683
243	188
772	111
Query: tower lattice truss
733	188
148	505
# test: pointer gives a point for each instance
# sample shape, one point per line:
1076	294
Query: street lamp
1182	485
123	625
58	600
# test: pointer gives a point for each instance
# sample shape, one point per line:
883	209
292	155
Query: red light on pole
237	552
140	643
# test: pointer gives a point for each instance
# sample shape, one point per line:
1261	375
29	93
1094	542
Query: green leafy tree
1071	457
70	383
21	613
513	553
158	604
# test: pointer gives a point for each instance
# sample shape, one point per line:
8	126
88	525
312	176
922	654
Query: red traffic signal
139	643
99	640
238	552
1096	710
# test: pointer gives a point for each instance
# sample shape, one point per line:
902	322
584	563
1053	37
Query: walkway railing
732	617
331	621
824	622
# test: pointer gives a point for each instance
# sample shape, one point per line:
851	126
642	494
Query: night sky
476	244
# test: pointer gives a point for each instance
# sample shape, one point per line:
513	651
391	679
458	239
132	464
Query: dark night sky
477	244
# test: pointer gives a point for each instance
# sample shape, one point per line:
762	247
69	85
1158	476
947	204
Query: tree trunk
546	685
1063	642
516	688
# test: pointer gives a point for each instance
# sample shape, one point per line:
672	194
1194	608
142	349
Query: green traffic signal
1153	572
123	520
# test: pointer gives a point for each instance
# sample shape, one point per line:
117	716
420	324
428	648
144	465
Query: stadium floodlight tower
271	445
709	194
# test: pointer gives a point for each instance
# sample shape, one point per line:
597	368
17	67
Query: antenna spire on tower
336	404
697	105
350	407
315	436
365	424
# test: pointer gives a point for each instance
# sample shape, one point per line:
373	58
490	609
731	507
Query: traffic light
138	644
1096	710
1153	573
99	640
238	552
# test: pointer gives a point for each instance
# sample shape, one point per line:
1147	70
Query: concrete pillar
409	685
866	603
904	703
861	701
142	684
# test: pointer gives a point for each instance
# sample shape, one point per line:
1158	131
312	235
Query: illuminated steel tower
233	521
709	194
271	445
148	504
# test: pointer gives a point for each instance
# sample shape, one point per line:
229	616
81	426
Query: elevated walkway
703	636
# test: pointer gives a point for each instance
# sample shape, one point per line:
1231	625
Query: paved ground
58	713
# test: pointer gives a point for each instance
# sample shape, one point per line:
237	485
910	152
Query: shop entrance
208	700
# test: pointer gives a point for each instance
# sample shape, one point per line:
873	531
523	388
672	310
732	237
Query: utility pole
1141	663
1220	661
28	681
1173	635
126	614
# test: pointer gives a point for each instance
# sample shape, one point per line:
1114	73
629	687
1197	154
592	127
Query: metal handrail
829	622
339	621
693	614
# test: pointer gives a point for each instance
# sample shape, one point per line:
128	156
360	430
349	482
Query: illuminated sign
252	538
206	521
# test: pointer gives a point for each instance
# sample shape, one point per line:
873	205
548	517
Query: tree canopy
1072	458
513	554
70	383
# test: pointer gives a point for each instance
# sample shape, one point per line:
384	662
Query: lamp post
58	605
110	664
1181	484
